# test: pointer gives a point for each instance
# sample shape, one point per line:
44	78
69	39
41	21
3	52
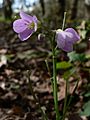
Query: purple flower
65	39
25	26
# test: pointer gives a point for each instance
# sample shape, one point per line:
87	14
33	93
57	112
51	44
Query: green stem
64	20
49	72
68	103
72	94
35	98
55	89
65	100
66	88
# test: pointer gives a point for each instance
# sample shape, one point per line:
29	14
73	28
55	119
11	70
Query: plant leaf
73	56
63	65
86	109
68	73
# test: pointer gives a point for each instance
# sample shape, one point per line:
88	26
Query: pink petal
68	47
26	16
60	37
35	19
25	34
75	37
19	25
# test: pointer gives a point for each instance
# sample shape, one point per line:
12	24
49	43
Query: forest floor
16	100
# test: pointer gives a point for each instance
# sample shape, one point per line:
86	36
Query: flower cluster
27	25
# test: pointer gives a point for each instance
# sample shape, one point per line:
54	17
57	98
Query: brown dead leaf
17	110
74	116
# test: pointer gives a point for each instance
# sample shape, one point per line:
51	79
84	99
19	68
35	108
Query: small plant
63	39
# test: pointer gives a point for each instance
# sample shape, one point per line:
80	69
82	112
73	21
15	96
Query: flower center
31	25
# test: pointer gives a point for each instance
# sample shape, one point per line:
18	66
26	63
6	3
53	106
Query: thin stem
64	20
55	89
66	88
67	105
35	98
65	100
49	72
72	94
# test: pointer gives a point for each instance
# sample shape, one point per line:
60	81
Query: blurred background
16	57
75	8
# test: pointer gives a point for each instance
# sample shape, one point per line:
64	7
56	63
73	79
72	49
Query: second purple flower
65	39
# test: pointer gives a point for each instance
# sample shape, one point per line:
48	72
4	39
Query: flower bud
41	37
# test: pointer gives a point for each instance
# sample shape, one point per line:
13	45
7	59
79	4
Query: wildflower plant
65	40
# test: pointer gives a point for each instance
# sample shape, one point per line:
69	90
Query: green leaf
9	57
63	65
87	94
68	73
73	56
86	109
88	56
83	33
